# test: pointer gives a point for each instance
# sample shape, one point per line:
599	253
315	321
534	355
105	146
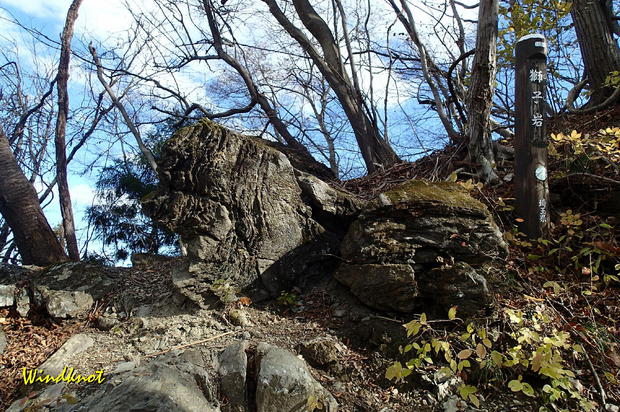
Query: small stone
239	318
319	351
7	295
611	408
131	357
106	322
340	313
22	303
2	341
125	367
451	405
339	387
76	344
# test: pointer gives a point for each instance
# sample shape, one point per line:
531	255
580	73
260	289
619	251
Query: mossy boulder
437	234
444	195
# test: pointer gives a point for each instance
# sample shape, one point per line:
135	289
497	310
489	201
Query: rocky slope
259	223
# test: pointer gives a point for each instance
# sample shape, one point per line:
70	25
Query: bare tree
254	91
376	151
61	127
433	75
148	155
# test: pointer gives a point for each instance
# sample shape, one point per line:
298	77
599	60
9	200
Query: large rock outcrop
254	215
245	213
422	245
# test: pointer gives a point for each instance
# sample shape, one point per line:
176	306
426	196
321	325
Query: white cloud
106	19
82	195
39	8
103	19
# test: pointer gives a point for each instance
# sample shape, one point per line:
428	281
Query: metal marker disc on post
531	176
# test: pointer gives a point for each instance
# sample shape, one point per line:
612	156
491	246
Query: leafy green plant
288	299
612	79
225	290
530	347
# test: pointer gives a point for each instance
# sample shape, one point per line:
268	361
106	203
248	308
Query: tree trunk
376	152
61	126
599	50
480	93
20	207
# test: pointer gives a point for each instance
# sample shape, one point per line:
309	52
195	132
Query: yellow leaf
515	385
464	354
481	351
474	399
423	319
496	357
452	313
396	372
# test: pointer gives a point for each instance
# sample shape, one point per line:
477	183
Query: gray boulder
249	212
422	245
285	384
50	398
12	280
170	383
70	289
158	386
62	357
233	364
387	287
64	303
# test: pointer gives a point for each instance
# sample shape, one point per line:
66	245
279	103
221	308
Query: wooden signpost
531	177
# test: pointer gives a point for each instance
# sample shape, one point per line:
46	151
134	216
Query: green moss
445	193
